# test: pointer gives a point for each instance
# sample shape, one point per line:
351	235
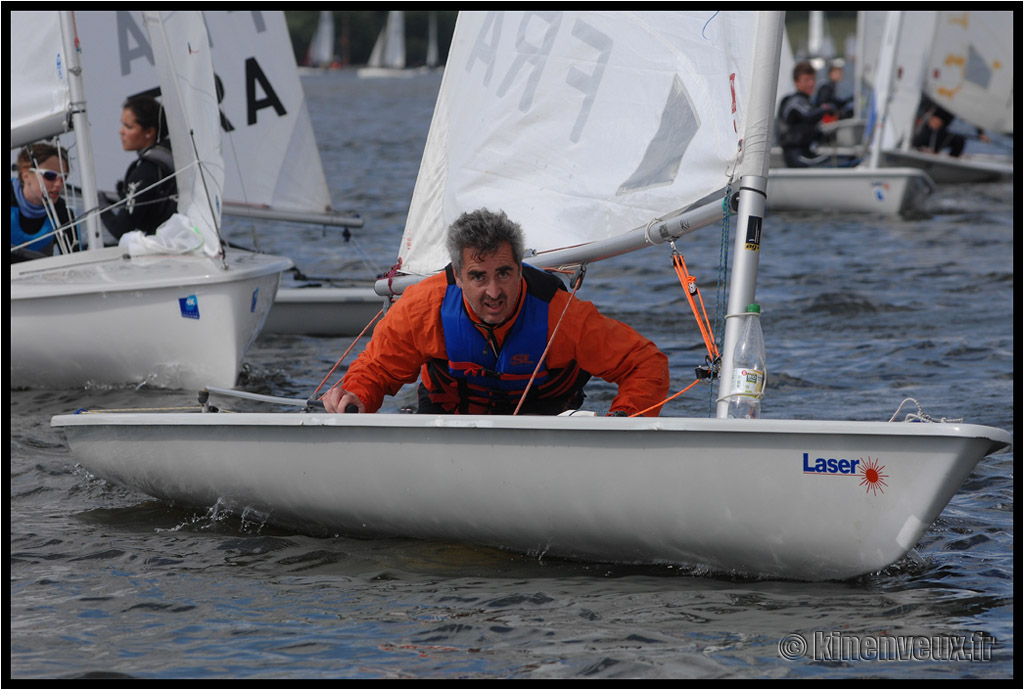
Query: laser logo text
840	466
869	470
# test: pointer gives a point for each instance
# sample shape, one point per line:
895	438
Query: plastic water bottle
748	368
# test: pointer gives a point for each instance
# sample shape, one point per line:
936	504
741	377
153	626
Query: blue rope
720	306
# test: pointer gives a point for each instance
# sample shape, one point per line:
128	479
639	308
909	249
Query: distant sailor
799	120
475	332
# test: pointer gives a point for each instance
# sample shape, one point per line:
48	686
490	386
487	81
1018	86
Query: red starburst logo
871	476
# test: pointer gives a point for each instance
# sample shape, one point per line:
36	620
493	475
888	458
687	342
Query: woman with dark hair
37	208
149	192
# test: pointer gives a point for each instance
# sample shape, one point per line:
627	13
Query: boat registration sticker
189	307
753	241
255	299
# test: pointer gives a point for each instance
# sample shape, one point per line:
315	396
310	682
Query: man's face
490	283
805	84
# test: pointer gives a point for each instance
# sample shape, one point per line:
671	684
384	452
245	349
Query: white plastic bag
176	235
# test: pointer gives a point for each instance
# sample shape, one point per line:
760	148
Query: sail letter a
679	125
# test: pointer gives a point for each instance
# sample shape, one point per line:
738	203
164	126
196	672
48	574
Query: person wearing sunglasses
148	194
37	207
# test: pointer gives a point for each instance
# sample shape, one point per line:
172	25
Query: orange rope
690	288
342	358
668	399
547	347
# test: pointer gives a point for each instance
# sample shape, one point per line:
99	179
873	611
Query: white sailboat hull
736	495
171	321
885	191
944	169
323	311
388	72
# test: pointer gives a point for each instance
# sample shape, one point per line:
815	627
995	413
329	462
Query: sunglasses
48	175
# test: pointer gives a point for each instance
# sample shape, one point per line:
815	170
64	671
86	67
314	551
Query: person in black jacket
149	192
933	132
829	92
798	119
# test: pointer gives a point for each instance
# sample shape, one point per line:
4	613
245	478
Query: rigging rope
576	282
668	399
711	334
691	289
97	210
723	266
920	416
344	355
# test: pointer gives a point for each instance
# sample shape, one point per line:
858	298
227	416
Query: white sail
820	45
970	68
46	78
38	72
433	56
270	153
915	41
389	50
189	97
573	132
786	64
321	48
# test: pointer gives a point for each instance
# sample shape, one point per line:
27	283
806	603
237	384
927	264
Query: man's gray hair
484	232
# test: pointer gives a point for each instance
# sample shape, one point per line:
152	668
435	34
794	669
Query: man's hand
340	400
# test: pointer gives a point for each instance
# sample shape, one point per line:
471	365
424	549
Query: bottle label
749	382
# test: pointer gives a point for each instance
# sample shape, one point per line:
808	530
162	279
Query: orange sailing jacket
410	340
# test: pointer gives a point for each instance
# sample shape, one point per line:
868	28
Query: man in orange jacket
475	332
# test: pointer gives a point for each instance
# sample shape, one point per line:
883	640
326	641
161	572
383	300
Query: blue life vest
472	357
19	235
480	378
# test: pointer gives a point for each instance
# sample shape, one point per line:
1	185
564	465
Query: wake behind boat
785	498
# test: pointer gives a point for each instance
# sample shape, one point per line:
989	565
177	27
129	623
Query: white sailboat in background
272	164
866	187
387	59
963	62
320	54
164	314
820	46
547	145
433	53
273	174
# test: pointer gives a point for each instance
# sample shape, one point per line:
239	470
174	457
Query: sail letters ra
133	44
